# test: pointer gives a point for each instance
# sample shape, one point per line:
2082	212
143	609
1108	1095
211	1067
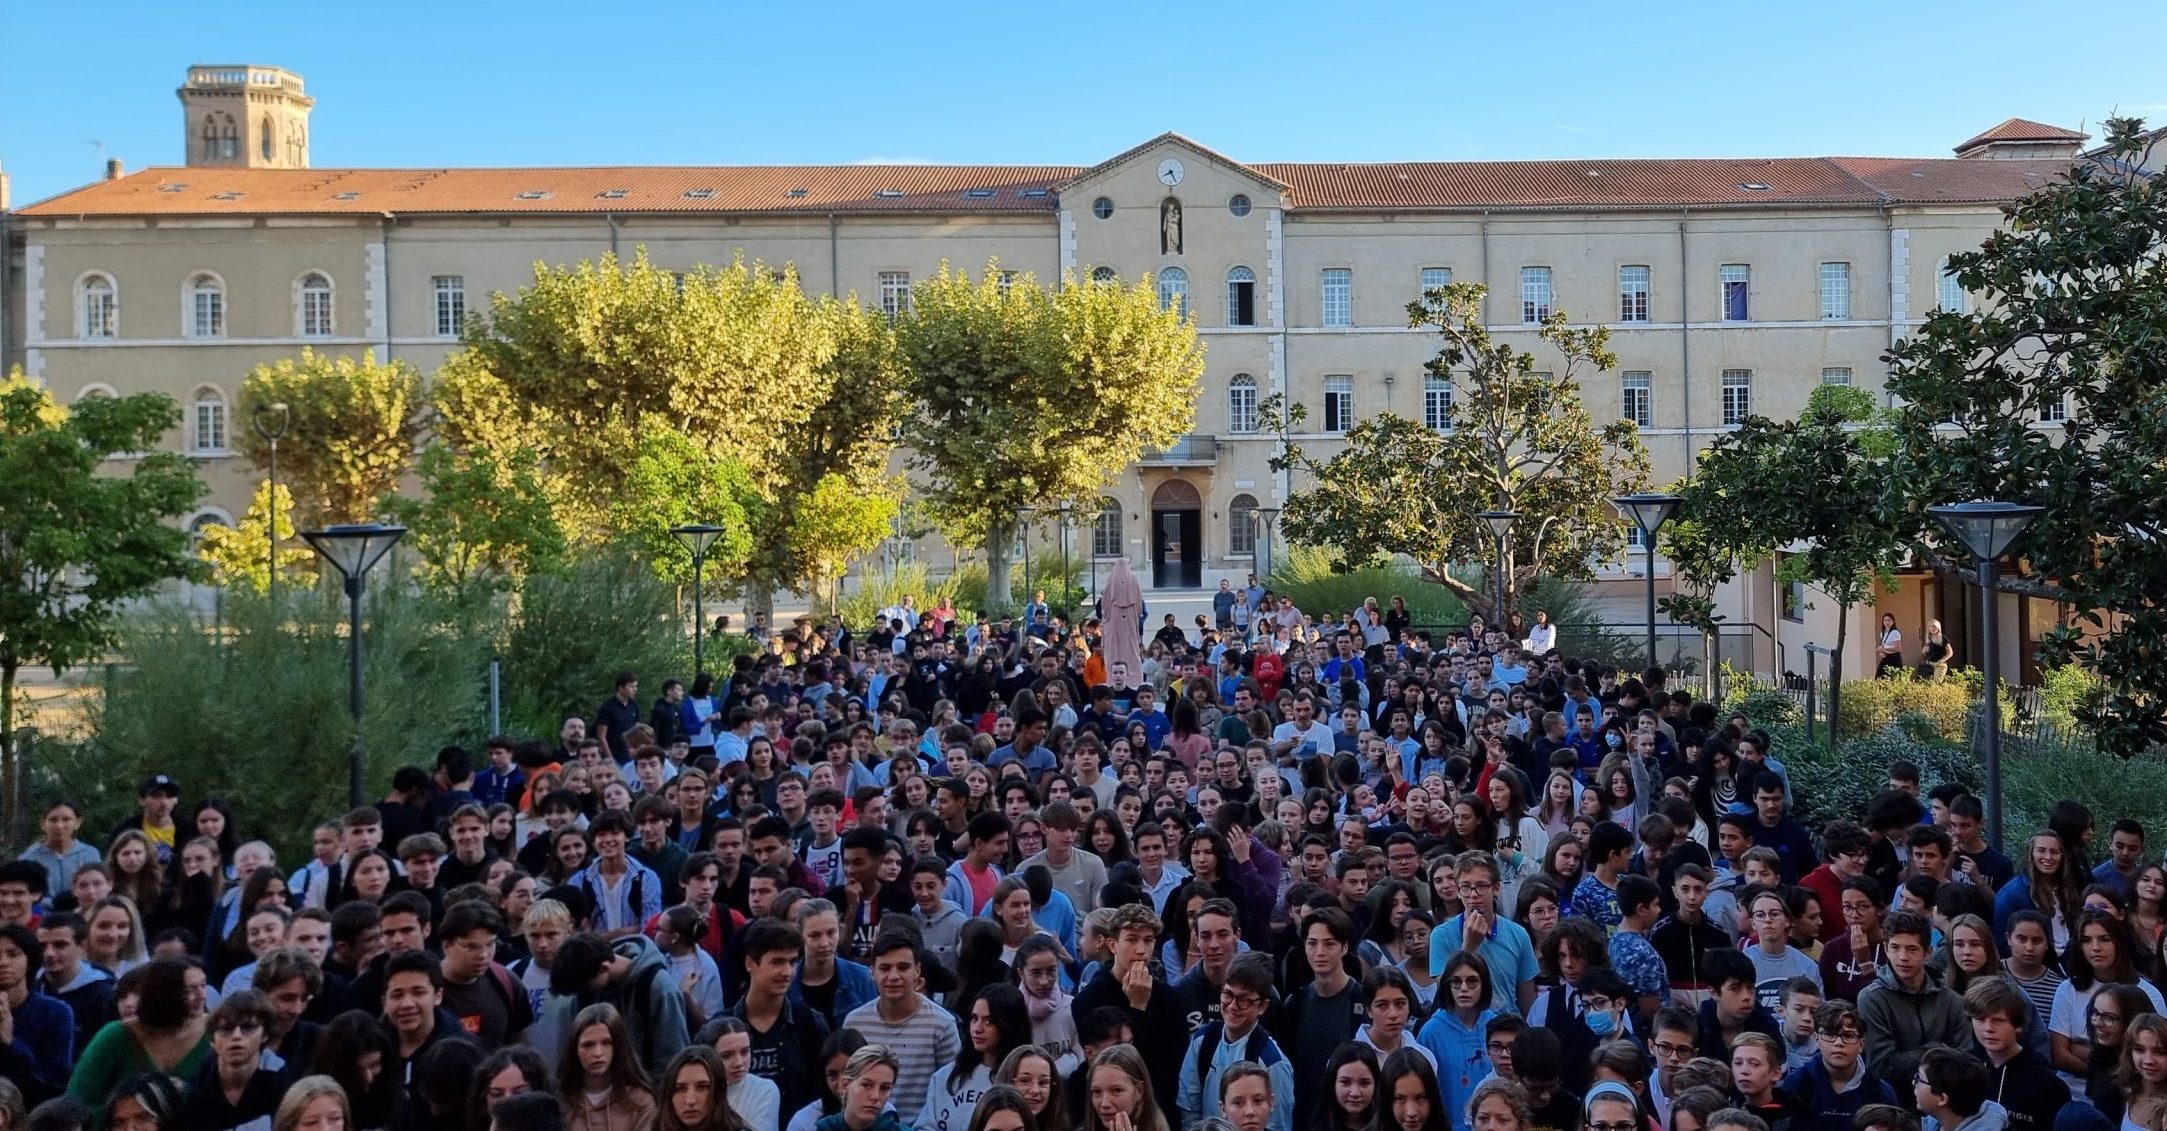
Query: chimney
113	169
3	190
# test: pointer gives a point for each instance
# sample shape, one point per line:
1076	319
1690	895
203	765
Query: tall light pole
1988	528
697	537
1024	515
1648	512
1500	523
1267	521
1066	513
354	548
271	421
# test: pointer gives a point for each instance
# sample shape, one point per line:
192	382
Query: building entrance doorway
1177	535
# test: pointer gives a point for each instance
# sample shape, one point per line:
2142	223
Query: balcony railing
1189	451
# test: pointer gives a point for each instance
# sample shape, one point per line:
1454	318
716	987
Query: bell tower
240	116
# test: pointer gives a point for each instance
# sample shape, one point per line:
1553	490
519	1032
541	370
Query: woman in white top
1542	636
2101	954
1889	654
999	1024
755	1099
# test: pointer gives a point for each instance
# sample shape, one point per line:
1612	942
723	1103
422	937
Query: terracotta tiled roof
1947	181
942	189
2024	129
792	188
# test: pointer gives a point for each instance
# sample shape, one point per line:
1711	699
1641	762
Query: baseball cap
158	783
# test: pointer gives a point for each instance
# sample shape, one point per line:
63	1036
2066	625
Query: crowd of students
1295	873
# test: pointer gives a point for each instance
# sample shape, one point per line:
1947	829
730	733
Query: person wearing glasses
1953	1088
234	1087
1834	1083
1611	1106
1238	1035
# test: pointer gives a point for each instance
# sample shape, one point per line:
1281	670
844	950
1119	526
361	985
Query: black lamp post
1267	520
1024	515
354	548
697	537
1067	516
271	421
1988	529
1500	523
1648	512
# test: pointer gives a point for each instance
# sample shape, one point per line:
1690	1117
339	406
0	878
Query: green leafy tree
593	368
352	430
1516	438
1028	396
240	556
2067	306
1745	499
673	481
479	523
835	523
77	541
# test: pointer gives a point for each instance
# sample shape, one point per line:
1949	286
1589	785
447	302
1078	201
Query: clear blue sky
432	84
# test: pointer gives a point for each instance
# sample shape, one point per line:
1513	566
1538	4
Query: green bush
1312	577
1872	704
572	630
1065	595
257	711
877	591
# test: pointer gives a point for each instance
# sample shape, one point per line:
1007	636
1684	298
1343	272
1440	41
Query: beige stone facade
1730	286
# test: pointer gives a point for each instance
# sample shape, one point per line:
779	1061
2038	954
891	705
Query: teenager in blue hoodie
1454	1034
1834	1083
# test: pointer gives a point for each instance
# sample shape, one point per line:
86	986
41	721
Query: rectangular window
1835	292
210	424
1436	403
210	313
1737	396
1637	398
2054	410
1338	404
1007	282
315	313
1241	405
1338	296
451	305
894	293
1794	601
1534	294
1632	294
1949	294
1836	375
1241	297
1737	278
1435	278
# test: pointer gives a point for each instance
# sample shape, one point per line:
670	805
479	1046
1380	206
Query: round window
1102	208
1239	205
1102	275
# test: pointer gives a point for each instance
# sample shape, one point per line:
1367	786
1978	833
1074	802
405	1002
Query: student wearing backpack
631	974
1237	1036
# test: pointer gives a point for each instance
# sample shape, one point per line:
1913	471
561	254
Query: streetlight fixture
354	548
271	421
1649	512
1024	515
697	537
1067	516
1988	528
1500	523
1267	521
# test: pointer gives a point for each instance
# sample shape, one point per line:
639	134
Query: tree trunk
1835	673
1000	539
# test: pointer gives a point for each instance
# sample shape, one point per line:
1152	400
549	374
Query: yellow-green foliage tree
352	430
240	556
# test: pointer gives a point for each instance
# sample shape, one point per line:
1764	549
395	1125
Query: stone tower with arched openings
245	117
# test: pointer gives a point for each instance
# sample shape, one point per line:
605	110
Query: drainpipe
1685	334
1486	288
835	256
389	336
612	218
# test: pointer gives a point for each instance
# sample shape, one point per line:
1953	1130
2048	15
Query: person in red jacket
1843	858
1271	672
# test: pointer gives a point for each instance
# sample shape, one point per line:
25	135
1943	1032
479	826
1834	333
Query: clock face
1170	172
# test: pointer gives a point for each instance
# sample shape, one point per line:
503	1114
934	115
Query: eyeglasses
1842	1038
1501	1048
1666	1048
1610	1126
243	1028
1242	1001
2097	1015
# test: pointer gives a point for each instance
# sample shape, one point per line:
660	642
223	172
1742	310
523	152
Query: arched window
263	144
94	391
1174	290
210	422
1241	297
1103	275
199	527
313	310
1241	525
97	306
210	135
1241	403
229	138
206	313
1106	531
